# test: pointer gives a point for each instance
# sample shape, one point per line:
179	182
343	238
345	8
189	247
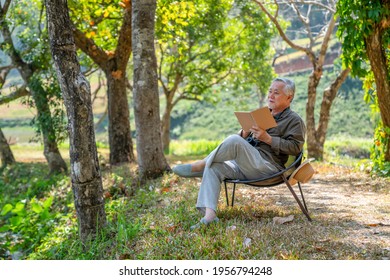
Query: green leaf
19	207
4	228
36	207
6	209
48	202
15	221
45	215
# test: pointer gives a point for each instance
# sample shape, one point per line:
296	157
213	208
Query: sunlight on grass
194	148
153	220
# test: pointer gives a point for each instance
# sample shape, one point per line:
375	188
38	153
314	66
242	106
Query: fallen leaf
247	242
323	240
107	195
319	249
283	256
372	225
283	220
165	190
124	256
171	227
231	228
377	225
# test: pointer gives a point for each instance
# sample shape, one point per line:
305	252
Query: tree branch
123	49
20	92
3	74
17	61
325	42
313	3
88	46
5	7
280	30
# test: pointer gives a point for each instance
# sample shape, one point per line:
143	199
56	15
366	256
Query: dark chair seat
274	180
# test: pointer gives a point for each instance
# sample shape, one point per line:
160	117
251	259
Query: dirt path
361	203
346	205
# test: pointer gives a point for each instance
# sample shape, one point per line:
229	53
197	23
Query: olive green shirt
288	138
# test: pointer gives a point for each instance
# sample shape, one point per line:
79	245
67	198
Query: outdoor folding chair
278	178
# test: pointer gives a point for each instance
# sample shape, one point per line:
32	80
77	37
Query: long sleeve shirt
288	138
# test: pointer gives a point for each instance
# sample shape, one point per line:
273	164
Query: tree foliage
357	21
99	20
202	44
365	32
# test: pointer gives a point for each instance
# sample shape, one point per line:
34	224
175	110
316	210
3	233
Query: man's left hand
261	134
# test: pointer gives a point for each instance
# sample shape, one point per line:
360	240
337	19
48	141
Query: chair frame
283	178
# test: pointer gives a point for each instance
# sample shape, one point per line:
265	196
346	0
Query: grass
152	221
353	148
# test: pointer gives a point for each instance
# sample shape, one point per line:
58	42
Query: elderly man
236	158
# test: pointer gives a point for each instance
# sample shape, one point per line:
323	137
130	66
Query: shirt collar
282	114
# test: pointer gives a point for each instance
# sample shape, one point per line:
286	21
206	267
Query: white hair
289	86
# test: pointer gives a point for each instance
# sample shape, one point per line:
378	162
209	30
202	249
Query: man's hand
244	133
261	134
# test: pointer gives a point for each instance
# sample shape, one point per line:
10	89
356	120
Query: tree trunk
151	160
5	151
170	104
166	127
377	57
119	133
52	154
85	171
114	67
328	97
316	136
314	149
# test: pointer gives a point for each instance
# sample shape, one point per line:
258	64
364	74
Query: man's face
277	99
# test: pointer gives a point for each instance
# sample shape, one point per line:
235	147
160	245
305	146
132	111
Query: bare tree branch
325	42
3	74
312	3
282	33
5	7
305	21
20	92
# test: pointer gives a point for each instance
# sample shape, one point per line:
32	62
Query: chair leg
303	198
234	191
303	208
226	193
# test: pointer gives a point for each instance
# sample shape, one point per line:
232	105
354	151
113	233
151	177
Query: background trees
203	45
315	48
102	30
365	34
24	42
6	154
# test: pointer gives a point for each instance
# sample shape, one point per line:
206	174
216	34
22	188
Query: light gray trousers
234	158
